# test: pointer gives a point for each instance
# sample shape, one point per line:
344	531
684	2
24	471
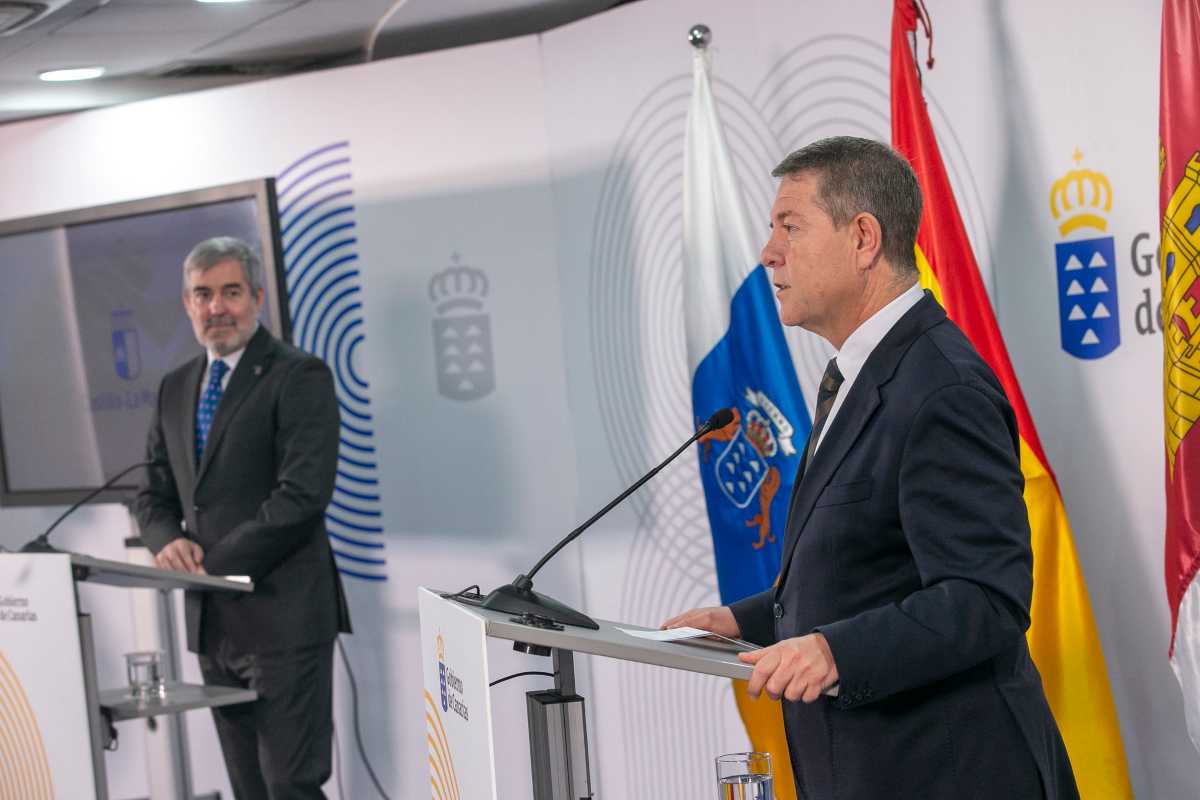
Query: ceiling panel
136	53
121	18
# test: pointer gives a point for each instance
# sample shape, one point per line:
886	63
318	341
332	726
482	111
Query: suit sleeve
754	617
966	524
306	447
157	507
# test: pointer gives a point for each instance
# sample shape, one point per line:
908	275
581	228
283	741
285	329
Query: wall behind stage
548	170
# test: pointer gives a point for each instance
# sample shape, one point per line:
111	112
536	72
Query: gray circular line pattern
672	523
671	561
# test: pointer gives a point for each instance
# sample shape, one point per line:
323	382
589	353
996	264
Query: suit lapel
853	416
192	393
250	369
856	411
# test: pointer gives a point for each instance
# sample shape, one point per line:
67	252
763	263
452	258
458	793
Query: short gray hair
211	252
856	175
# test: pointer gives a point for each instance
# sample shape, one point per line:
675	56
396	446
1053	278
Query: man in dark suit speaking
896	631
247	438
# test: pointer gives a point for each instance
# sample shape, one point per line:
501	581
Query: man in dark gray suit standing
246	436
896	632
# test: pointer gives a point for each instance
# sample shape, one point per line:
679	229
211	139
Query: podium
62	717
458	716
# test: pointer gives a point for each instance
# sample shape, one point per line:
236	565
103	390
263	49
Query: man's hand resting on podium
800	668
181	555
718	619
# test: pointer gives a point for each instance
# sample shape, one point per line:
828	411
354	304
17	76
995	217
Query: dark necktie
831	381
208	405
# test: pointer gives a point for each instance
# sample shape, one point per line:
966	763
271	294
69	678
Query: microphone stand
41	544
540	610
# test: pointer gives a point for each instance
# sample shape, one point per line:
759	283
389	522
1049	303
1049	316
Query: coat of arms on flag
744	470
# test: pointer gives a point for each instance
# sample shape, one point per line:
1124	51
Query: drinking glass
745	776
144	669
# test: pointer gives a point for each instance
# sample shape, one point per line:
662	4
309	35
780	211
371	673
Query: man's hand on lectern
181	555
800	668
717	619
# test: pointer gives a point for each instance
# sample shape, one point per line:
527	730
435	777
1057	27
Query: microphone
519	598
42	543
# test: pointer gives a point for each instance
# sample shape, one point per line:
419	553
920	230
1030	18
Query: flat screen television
91	319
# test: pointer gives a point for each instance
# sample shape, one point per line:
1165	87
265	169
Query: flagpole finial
699	36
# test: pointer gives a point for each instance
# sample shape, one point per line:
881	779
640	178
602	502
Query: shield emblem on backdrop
1087	297
127	353
463	353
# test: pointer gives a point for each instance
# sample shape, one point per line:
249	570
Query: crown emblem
458	286
758	431
1078	198
440	647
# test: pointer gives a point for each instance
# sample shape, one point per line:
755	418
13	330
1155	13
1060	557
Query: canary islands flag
738	357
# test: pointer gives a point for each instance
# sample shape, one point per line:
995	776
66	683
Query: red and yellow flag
1062	636
1179	204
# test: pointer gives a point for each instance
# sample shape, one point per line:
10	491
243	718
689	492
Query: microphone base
514	600
39	545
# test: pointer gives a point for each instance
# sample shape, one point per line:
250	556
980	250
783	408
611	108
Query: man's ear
868	239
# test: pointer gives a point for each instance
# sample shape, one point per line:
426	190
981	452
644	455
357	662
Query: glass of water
145	675
745	776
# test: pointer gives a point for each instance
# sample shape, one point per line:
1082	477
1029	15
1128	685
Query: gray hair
211	252
856	175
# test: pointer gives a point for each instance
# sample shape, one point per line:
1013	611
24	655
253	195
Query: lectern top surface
137	576
611	641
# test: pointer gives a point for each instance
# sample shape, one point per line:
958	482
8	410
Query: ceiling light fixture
73	74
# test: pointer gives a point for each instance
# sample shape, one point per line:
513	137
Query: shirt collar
863	340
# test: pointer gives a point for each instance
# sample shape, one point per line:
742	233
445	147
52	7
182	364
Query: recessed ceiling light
74	74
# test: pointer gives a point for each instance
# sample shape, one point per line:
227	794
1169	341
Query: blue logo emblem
1087	271
1087	297
126	348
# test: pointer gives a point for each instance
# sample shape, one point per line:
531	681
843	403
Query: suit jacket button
778	609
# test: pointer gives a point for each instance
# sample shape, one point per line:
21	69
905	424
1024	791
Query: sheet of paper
669	635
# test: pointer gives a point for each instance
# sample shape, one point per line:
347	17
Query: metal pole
97	725
558	736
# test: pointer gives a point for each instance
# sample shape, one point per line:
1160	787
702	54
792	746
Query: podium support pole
97	723
558	752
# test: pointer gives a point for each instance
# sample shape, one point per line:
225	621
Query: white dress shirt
862	342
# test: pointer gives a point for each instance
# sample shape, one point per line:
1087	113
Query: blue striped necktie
208	405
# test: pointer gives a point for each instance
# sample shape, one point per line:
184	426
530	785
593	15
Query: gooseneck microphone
519	598
42	543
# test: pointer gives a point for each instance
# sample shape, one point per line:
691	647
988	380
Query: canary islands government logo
462	333
1080	202
126	349
1181	307
743	469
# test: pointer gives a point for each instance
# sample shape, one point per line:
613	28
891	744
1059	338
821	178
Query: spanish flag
1062	636
1179	204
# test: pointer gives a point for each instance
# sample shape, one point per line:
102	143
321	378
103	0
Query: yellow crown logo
441	648
1078	198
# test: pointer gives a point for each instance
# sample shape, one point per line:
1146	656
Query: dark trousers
280	746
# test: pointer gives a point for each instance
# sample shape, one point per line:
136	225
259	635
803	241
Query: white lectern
458	713
62	718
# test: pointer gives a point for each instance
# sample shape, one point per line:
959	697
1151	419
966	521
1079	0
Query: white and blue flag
738	357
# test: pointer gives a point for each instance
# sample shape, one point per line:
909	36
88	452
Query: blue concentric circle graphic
320	255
